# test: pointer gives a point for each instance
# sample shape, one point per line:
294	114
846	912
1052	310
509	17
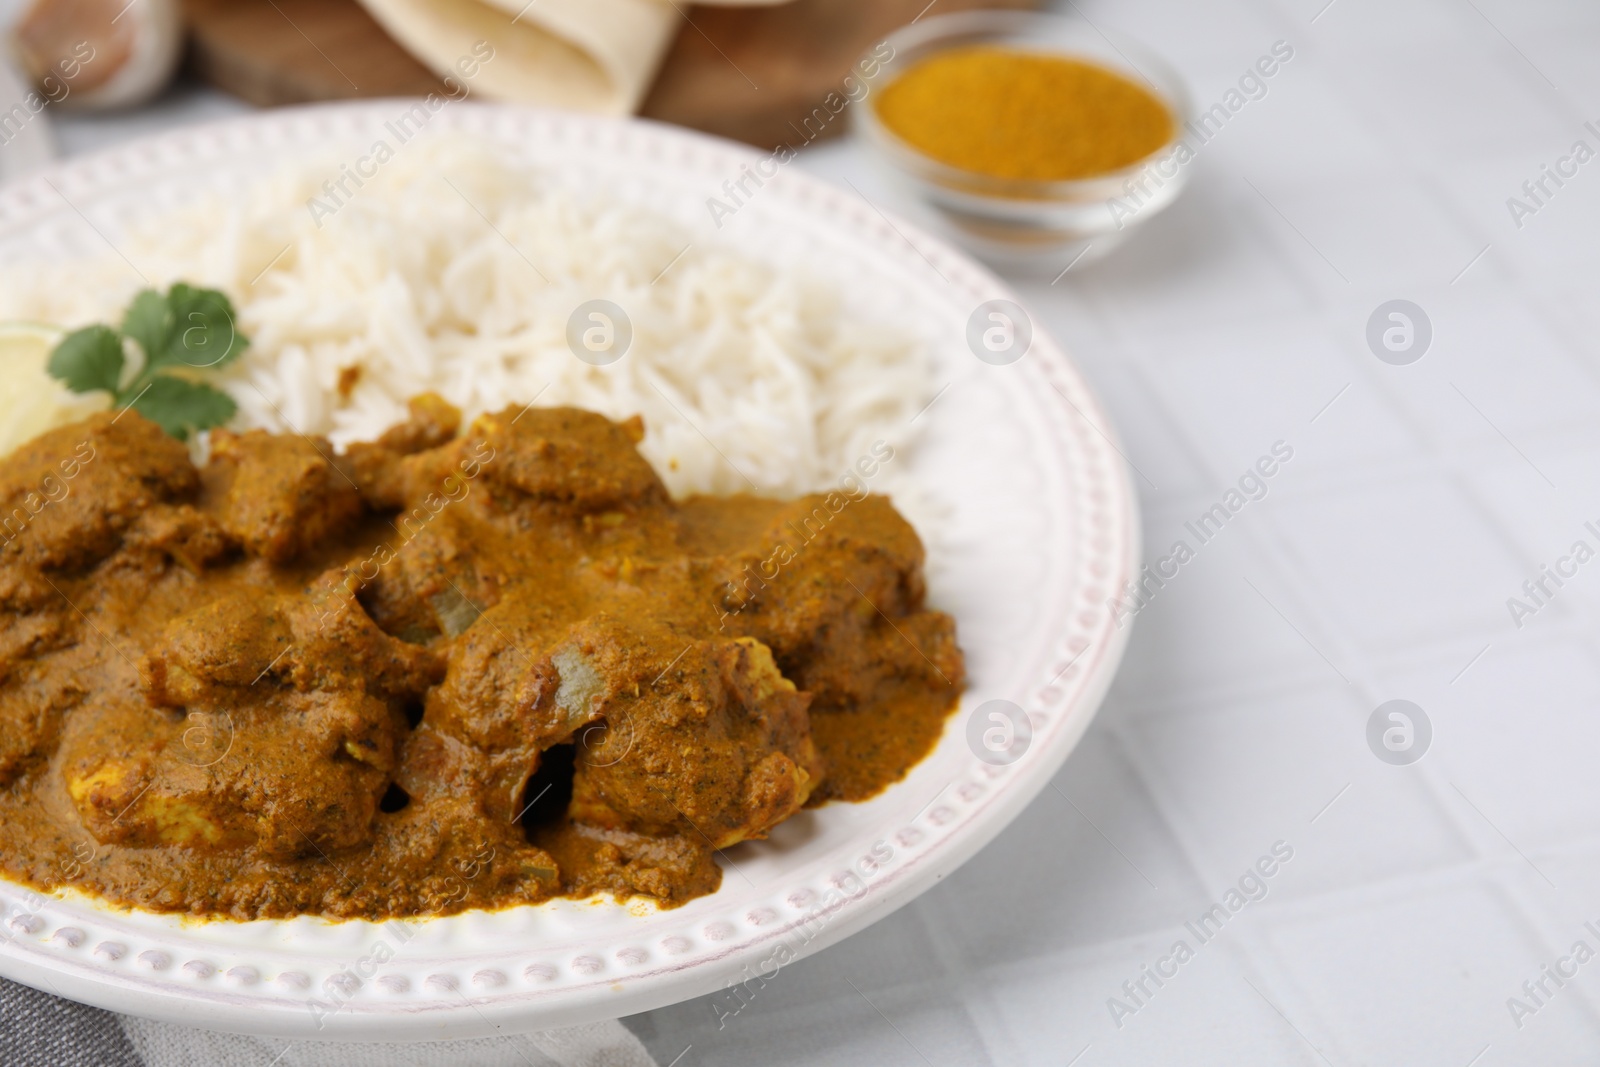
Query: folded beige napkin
588	55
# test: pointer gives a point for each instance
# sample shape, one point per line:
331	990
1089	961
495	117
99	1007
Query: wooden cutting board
753	74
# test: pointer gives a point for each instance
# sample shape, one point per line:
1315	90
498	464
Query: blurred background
1371	269
751	71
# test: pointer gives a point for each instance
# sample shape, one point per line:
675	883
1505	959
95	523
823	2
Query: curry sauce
448	669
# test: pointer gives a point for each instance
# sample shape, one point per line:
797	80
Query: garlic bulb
99	53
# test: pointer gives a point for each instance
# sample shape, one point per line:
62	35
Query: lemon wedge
31	401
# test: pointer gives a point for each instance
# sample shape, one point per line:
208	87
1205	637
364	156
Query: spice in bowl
1018	134
1028	116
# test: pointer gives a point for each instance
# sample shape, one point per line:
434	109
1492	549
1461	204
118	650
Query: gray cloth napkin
39	1030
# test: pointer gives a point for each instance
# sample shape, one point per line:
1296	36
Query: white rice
749	378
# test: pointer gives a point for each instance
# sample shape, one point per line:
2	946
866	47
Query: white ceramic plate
1042	527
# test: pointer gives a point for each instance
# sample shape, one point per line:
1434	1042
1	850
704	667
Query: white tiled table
1419	898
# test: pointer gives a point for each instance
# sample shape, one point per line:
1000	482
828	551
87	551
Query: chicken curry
452	668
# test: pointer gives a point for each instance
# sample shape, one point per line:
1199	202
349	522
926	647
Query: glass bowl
1018	223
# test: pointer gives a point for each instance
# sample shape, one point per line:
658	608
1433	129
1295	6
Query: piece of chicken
67	496
565	456
325	641
378	467
838	596
278	495
309	695
512	690
716	744
293	774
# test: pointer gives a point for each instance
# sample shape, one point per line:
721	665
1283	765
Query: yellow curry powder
1028	115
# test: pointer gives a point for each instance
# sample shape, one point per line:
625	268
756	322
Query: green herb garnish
188	329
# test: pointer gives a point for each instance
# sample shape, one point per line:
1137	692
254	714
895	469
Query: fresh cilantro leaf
149	321
180	406
203	330
187	327
89	359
